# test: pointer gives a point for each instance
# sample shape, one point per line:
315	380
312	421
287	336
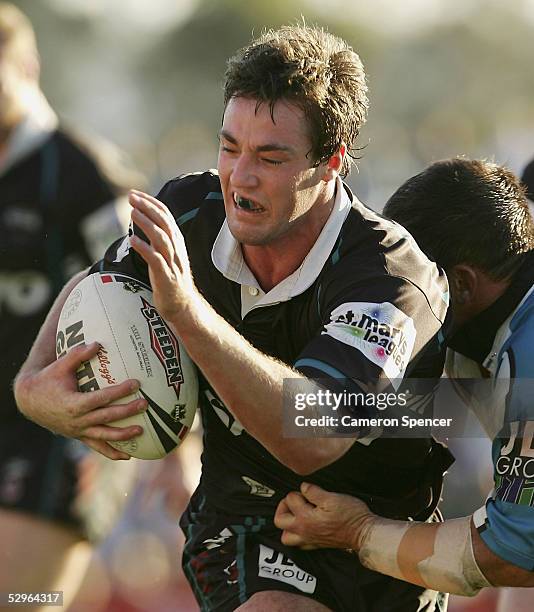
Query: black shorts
38	472
228	558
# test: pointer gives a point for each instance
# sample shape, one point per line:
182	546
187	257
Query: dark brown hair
313	69
464	211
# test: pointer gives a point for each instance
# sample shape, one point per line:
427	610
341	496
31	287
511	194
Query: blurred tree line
459	87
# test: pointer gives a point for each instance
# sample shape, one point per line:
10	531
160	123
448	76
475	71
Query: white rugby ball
117	311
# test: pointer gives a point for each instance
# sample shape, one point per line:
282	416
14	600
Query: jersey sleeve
372	330
120	257
506	522
182	196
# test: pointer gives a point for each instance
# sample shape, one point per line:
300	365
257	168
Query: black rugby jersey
53	221
376	274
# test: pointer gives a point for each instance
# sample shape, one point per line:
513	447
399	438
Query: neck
272	263
487	294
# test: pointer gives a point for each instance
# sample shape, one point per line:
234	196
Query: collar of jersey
228	258
30	133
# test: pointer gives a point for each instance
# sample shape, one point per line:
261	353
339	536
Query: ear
464	282
335	163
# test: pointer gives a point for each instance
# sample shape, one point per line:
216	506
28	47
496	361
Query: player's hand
50	397
166	255
315	518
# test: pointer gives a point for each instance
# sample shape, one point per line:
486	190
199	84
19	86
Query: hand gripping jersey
499	343
59	209
365	305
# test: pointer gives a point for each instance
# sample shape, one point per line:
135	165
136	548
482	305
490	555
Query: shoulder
517	348
374	251
198	186
187	195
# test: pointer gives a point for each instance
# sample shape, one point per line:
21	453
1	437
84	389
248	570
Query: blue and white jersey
505	407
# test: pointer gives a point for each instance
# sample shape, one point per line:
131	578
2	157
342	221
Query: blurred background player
60	204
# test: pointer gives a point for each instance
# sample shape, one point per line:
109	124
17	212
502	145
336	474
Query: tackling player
473	219
267	270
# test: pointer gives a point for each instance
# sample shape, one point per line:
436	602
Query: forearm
251	385
248	382
43	351
433	555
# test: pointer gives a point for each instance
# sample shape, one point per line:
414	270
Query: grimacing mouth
246	203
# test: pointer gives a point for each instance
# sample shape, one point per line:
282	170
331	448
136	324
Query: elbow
19	390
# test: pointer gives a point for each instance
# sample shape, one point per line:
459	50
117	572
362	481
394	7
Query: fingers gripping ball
116	311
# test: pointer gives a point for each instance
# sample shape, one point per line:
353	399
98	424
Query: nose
244	172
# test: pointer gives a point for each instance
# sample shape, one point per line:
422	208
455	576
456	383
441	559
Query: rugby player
471	217
265	269
60	203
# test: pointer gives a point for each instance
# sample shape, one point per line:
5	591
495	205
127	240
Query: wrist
361	529
194	312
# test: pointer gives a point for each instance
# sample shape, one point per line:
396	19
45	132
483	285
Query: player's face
271	191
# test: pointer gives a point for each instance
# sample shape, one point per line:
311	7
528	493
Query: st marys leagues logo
382	332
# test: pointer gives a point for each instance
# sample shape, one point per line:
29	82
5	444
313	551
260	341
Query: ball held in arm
117	311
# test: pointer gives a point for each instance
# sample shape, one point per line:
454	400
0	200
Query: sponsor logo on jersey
257	488
123	250
277	566
165	345
514	468
382	332
231	423
232	571
218	540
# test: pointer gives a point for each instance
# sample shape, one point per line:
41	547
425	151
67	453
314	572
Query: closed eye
227	149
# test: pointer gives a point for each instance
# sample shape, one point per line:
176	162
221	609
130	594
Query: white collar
30	133
228	258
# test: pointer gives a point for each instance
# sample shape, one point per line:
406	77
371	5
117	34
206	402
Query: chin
249	238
